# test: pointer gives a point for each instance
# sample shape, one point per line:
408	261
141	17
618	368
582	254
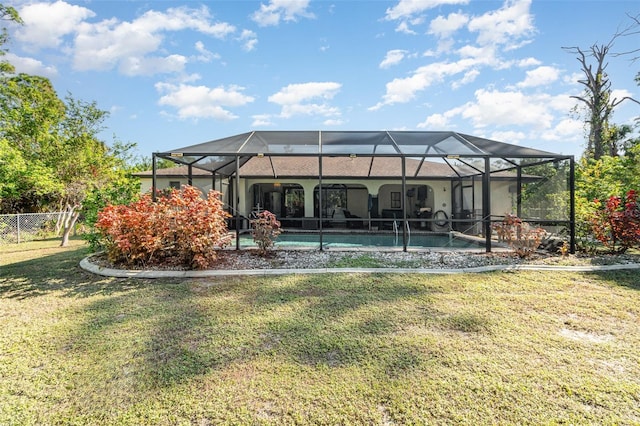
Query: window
396	200
174	184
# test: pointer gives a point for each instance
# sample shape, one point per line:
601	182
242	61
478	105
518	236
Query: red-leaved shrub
616	223
265	228
179	229
523	239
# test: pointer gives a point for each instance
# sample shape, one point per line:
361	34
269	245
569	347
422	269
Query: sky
177	73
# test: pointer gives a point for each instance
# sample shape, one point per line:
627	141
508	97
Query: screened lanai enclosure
402	185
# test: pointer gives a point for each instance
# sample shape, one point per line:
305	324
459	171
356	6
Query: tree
7	13
600	180
54	158
547	196
50	153
122	188
30	114
597	95
83	161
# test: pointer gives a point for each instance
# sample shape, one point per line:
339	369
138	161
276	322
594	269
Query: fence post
18	226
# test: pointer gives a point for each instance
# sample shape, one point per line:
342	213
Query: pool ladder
396	229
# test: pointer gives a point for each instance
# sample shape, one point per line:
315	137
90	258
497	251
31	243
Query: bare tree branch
630	30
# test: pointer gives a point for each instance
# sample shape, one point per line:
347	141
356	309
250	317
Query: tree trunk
60	222
73	213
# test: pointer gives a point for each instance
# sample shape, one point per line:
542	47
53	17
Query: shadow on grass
342	320
624	278
57	272
175	332
153	331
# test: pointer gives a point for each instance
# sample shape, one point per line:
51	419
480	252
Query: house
347	195
372	180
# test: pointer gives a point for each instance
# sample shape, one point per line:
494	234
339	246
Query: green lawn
494	348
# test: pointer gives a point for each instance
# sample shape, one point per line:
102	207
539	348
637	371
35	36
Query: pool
333	240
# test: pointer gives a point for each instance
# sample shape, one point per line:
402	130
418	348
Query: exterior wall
438	198
502	200
163	182
358	198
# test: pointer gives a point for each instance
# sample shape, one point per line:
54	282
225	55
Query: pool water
365	240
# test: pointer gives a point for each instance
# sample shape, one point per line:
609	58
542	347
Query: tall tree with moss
597	96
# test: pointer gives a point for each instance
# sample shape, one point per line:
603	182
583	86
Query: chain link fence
22	227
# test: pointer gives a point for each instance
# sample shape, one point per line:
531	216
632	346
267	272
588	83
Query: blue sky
173	74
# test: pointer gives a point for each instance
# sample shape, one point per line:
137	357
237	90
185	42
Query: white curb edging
128	273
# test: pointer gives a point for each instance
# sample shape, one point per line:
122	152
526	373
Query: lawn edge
88	266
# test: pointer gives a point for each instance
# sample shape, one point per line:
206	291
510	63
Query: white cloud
495	108
513	117
204	54
528	62
497	31
619	94
249	40
276	10
403	27
505	26
477	52
562	102
408	12
201	101
508	136
402	90
189	78
333	122
45	24
445	27
298	99
540	76
469	77
317	109
296	93
408	8
566	130
435	122
30	66
178	19
573	78
130	46
152	65
393	57
261	120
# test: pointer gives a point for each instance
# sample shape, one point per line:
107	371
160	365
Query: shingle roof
332	167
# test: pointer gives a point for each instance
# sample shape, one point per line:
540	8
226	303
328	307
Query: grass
367	261
494	348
